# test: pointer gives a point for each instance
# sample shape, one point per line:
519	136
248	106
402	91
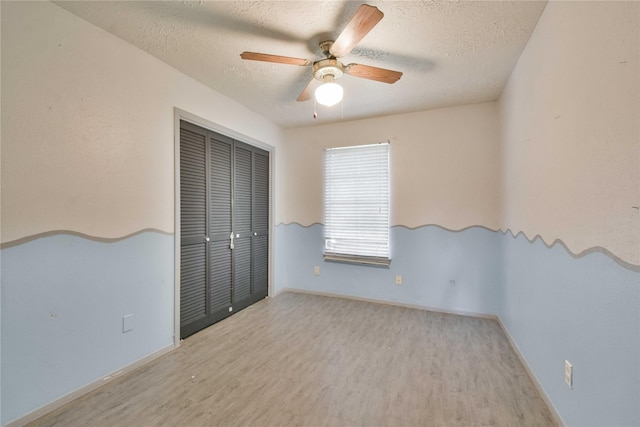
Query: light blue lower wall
63	299
428	258
585	310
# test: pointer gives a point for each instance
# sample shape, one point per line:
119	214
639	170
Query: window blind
356	204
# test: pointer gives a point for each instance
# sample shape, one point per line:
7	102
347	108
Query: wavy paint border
298	224
27	239
594	249
591	250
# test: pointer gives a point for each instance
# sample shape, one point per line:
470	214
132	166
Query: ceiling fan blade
306	93
363	21
373	73
253	56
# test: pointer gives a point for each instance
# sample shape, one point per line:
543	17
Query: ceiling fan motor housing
328	67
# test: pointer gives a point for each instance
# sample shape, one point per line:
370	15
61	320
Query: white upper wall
87	136
444	166
88	127
570	129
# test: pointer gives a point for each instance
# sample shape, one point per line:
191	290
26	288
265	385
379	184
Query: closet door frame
208	125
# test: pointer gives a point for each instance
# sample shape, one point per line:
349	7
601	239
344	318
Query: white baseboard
49	407
387	302
516	349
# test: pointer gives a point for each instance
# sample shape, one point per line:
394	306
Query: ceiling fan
330	68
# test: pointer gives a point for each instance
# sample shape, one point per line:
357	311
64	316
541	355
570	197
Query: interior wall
570	158
444	197
88	200
444	167
0	220
571	162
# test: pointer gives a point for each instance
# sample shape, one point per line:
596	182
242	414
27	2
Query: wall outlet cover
127	323
568	373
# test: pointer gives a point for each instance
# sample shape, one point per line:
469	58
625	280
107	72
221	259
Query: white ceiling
451	52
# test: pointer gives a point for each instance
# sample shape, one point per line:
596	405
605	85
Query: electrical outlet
316	270
127	323
399	280
568	374
452	282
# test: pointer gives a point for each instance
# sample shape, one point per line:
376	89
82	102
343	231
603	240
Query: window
356	204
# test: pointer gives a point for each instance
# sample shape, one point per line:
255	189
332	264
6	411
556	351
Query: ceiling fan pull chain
315	108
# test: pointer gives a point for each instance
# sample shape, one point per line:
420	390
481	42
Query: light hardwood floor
308	360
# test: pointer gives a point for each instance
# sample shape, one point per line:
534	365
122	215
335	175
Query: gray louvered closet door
224	209
260	247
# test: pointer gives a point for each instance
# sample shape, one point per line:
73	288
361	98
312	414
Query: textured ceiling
451	52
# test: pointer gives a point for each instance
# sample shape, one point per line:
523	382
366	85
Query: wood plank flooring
308	360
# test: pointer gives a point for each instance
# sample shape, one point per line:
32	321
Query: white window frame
357	204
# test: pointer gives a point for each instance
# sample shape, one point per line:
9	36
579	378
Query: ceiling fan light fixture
329	93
